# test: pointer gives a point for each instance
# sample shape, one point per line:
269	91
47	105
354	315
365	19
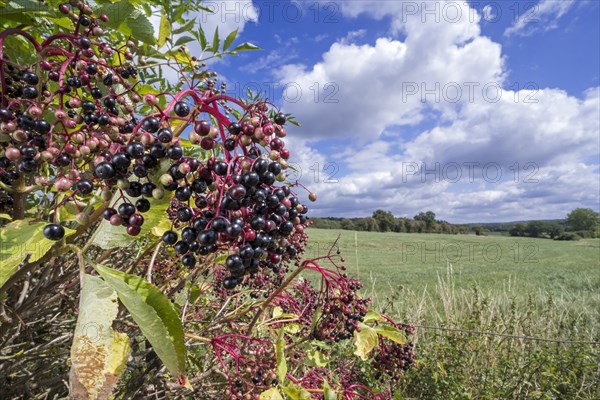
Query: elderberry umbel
73	123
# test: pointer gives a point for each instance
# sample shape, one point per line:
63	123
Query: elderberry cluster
394	359
342	311
72	124
236	206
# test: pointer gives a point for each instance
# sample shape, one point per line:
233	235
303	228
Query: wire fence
506	335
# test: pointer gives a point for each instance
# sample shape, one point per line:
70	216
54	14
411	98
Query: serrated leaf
141	28
117	12
280	357
187	27
164	31
154	313
202	38
16	7
328	392
246	46
183	40
271	394
373	316
216	42
17	240
99	354
229	40
392	333
295	392
365	341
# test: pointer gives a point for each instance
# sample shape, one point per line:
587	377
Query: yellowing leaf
98	354
328	392
292	328
164	31
392	333
373	316
365	341
318	358
279	352
271	394
295	392
17	240
154	313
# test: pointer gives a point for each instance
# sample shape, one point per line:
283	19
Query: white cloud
545	135
541	16
352	36
488	12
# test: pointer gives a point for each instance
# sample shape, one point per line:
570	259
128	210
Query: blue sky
479	111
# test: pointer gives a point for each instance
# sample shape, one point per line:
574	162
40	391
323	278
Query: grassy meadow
514	286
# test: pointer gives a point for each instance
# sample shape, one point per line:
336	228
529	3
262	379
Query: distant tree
518	230
348	225
582	219
535	228
479	230
428	218
399	225
419	226
385	220
553	229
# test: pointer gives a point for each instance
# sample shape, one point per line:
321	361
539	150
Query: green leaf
183	40
318	358
392	333
187	27
328	392
141	27
216	41
19	238
117	12
280	357
295	392
5	216
229	39
292	328
99	354
202	38
365	341
278	313
16	7
154	313
316	318
271	394
164	31
245	47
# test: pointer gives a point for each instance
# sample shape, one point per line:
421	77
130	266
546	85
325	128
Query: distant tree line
580	223
385	221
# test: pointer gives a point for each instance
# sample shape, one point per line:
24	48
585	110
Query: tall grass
535	288
474	344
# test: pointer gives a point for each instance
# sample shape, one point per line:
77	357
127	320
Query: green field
515	266
524	287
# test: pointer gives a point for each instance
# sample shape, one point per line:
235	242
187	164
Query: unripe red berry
150	100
